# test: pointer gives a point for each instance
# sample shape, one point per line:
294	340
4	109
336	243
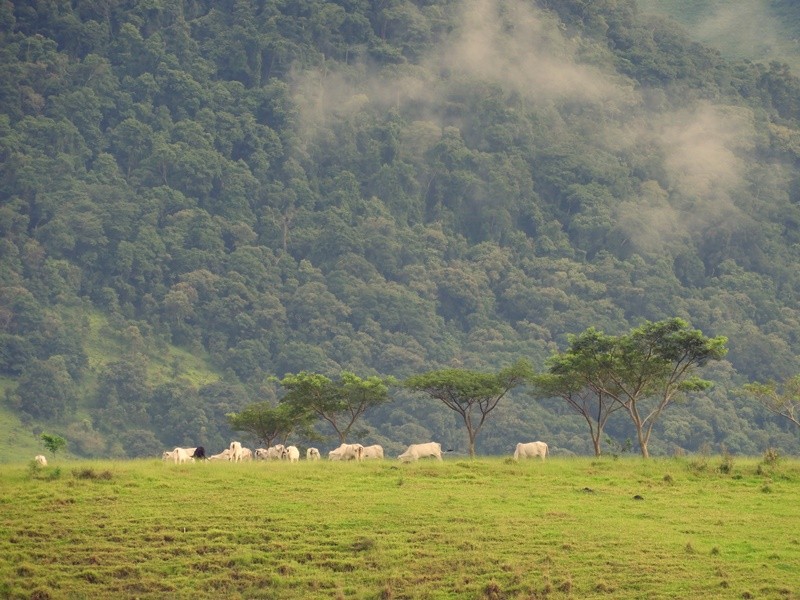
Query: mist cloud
522	50
704	148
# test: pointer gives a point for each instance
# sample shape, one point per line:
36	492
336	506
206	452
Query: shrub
727	462
771	456
91	474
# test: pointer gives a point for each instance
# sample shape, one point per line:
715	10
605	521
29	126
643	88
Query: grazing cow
172	455
224	455
40	460
271	453
417	451
291	453
260	454
235	452
247	454
347	452
200	452
530	450
375	451
312	454
182	455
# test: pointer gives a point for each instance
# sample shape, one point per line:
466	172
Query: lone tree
340	403
471	394
641	372
266	423
783	400
53	443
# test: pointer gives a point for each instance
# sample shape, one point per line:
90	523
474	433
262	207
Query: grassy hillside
759	30
711	527
19	439
104	344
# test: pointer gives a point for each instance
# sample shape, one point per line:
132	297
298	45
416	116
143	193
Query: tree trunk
640	435
471	435
642	440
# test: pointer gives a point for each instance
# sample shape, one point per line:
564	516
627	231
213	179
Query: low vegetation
704	526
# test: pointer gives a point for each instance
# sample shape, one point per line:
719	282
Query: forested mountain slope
383	187
759	30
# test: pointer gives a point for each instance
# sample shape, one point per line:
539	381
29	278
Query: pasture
697	527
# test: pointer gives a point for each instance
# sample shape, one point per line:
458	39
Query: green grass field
703	527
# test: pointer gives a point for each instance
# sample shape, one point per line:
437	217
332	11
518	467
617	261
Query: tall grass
488	528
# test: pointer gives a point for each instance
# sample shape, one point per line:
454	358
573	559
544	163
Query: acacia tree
577	377
340	403
266	423
783	400
471	394
658	362
643	371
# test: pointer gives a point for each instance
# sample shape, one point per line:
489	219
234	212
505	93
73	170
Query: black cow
199	452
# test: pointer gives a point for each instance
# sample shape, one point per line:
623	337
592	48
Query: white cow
224	455
185	455
374	451
271	453
291	453
530	450
312	454
235	452
182	455
40	460
347	452
247	454
417	451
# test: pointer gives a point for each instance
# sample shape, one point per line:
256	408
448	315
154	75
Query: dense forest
381	187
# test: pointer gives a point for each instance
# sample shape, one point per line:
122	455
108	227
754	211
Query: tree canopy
642	372
782	400
265	423
340	403
470	394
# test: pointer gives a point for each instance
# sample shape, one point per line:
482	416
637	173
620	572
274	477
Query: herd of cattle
236	453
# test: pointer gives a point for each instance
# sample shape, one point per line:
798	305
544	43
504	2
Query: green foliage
267	424
783	400
339	403
470	394
45	389
343	187
53	443
641	372
37	471
760	30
